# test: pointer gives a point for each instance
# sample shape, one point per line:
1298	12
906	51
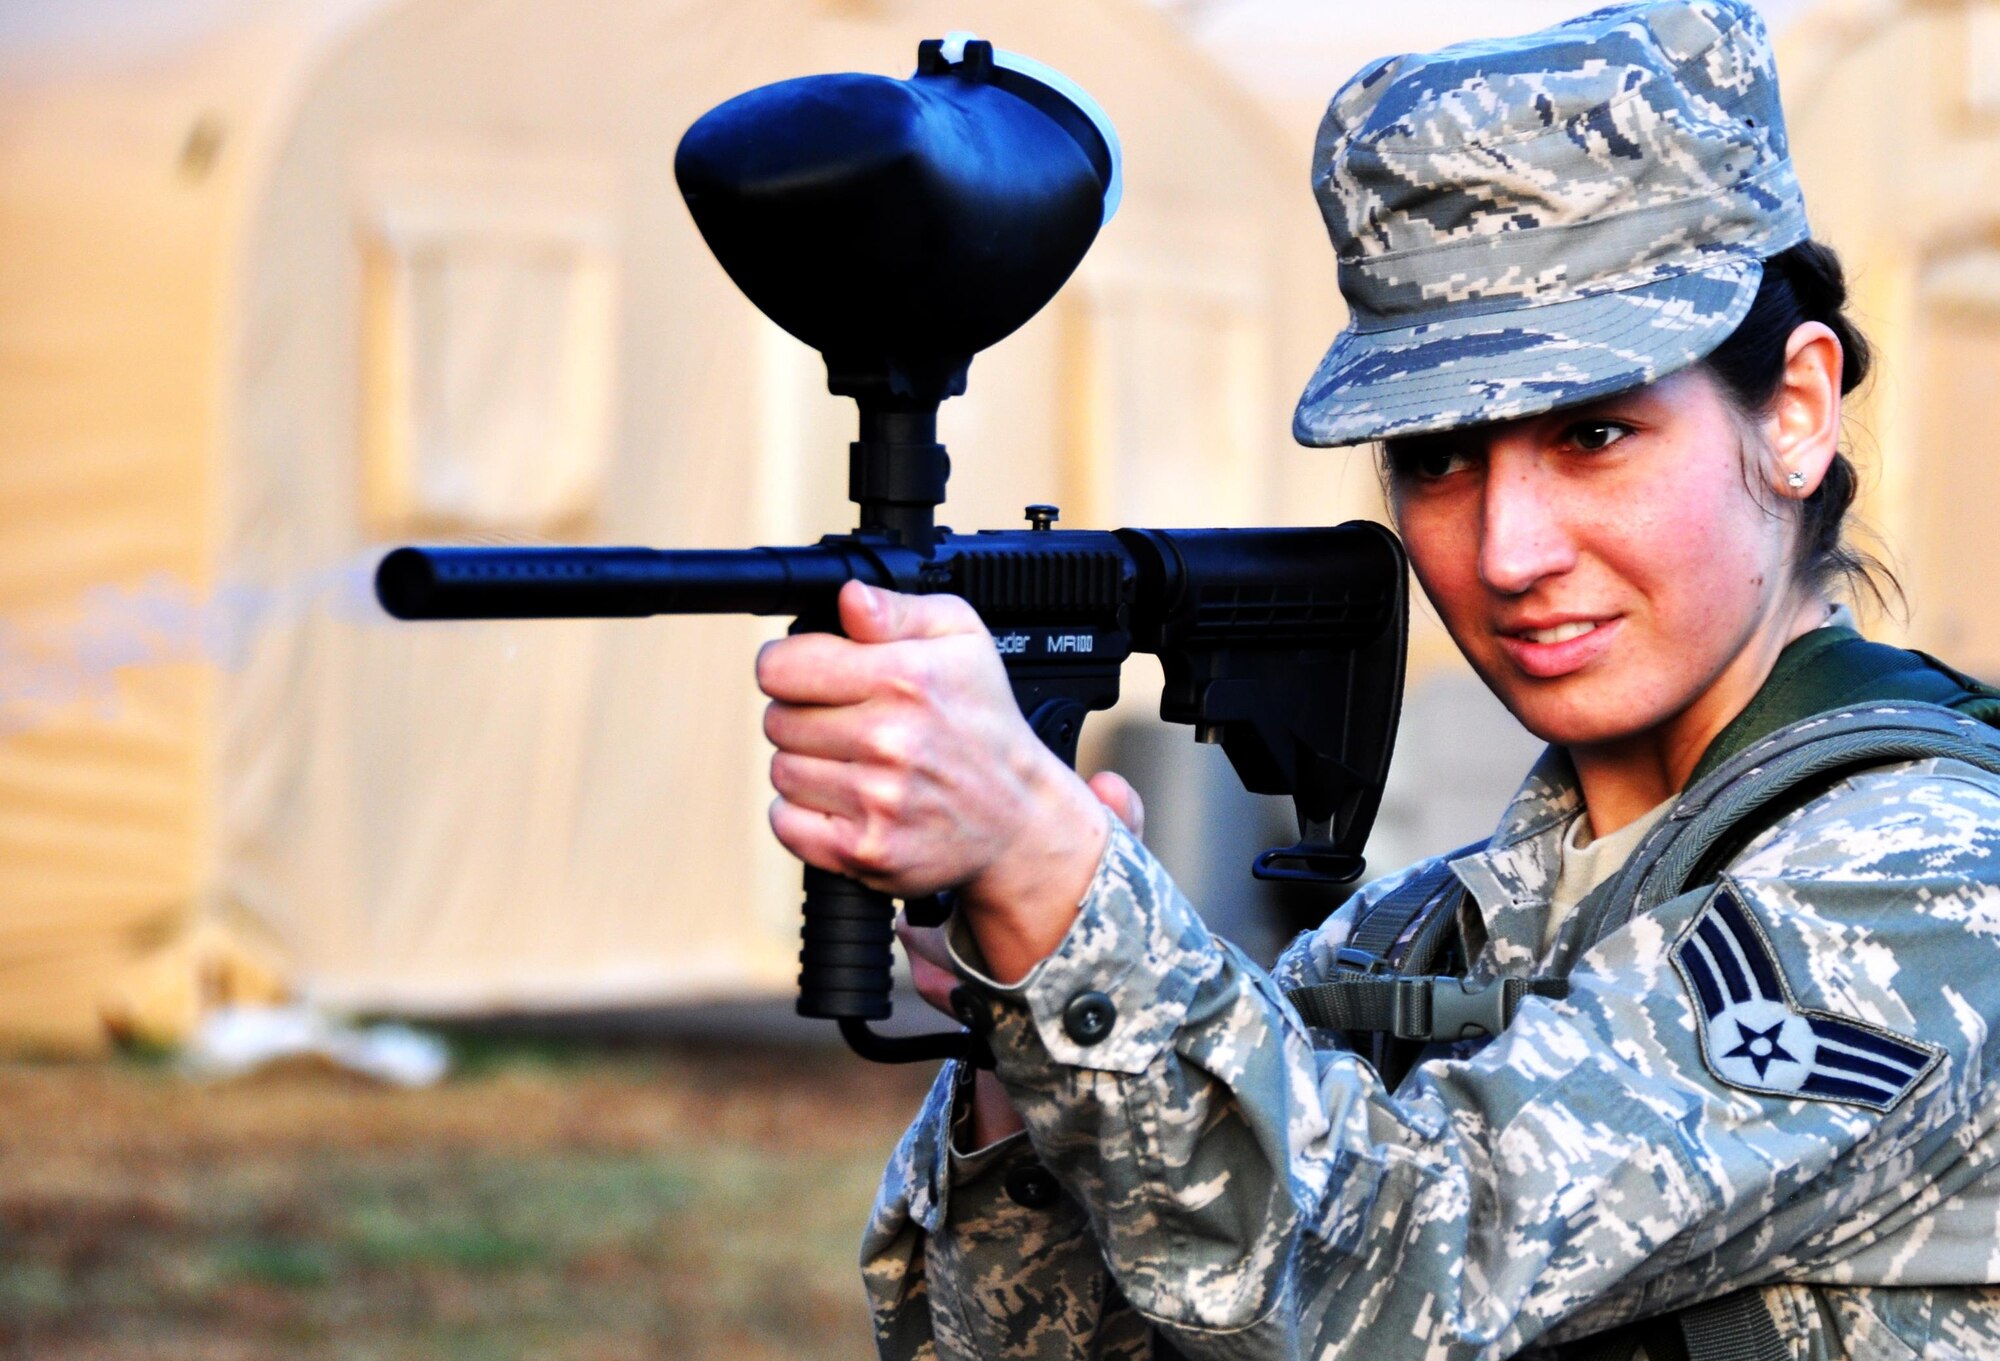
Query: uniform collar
1510	880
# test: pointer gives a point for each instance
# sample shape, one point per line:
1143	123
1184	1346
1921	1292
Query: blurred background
283	282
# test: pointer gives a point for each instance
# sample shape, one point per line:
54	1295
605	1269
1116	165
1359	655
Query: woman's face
1606	568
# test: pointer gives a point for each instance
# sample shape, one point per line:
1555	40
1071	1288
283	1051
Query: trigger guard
1059	723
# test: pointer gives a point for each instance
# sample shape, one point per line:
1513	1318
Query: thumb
869	614
1115	792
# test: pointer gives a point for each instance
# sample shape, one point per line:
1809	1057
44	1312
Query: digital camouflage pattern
1526	223
1522	224
1248	1188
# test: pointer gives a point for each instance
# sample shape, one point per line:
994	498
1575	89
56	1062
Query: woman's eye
1429	462
1591	436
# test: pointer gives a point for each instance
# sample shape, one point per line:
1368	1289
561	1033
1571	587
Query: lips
1558	648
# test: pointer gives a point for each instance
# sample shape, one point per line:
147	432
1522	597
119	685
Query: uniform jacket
1778	1079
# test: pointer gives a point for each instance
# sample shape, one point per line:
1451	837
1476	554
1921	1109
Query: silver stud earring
1795	479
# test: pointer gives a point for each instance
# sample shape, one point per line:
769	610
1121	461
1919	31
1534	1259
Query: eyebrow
1474	439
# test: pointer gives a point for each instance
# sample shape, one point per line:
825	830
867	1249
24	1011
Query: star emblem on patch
1761	1047
1756	1037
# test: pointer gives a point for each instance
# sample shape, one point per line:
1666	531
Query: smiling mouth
1560	649
1561	633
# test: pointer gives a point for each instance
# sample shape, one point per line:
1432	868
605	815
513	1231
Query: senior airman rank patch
1754	1036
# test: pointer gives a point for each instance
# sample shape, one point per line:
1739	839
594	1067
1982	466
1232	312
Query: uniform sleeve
983	1255
1254	1195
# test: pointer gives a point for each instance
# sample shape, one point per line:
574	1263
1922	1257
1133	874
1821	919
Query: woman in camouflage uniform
1607	362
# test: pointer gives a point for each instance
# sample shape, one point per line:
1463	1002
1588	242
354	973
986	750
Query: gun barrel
573	583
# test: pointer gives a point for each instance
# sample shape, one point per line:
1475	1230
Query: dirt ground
566	1204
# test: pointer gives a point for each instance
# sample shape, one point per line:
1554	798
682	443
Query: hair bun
1816	278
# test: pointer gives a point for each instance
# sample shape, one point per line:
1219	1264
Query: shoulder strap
1737	1327
1361	993
1425	1008
1385	986
1725	810
1403	930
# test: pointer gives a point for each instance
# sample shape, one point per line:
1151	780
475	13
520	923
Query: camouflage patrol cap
1527	223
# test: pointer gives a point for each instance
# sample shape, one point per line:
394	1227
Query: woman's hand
930	961
993	1116
903	762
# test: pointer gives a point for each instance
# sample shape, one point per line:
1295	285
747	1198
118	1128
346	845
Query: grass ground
564	1205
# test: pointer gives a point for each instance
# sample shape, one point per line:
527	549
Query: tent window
487	375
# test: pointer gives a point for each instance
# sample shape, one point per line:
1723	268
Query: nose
1523	536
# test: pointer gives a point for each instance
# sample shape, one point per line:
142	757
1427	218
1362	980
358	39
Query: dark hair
1802	284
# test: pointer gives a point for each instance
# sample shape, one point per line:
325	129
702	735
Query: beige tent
1895	119
281	284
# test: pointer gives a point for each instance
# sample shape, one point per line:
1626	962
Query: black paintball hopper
901	226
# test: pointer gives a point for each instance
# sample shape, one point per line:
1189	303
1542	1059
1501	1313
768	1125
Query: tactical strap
1736	1327
1384	985
1383	982
1755	789
1424	1008
1405	930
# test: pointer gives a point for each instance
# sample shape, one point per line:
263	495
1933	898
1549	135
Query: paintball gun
899	227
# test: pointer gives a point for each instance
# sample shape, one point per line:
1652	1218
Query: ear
1802	429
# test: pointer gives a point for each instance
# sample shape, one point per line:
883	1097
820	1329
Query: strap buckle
1447	1009
1360	961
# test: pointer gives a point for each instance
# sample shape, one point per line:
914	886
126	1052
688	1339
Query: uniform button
1088	1017
966	1007
1032	1188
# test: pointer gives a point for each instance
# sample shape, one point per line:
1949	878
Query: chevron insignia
1754	1036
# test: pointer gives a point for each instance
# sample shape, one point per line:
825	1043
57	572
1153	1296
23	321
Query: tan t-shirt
1587	863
